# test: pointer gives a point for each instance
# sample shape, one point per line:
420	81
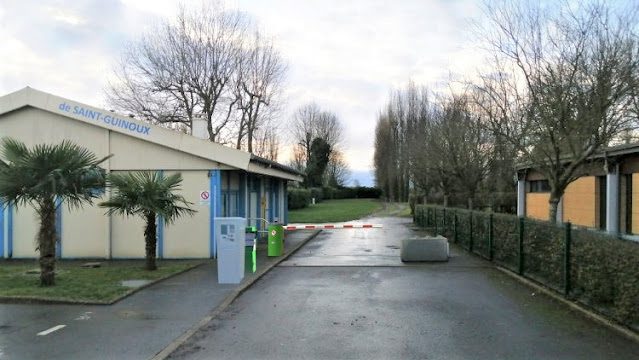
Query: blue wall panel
285	202
215	189
10	231
58	227
159	230
2	209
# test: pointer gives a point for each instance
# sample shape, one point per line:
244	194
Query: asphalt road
137	327
346	295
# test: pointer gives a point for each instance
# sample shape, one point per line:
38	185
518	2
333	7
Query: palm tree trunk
46	242
151	238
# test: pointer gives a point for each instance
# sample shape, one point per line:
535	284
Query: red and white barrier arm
331	226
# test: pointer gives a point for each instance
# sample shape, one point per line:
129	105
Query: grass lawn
78	284
335	211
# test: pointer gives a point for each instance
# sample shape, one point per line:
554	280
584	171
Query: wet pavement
363	247
353	247
137	327
346	295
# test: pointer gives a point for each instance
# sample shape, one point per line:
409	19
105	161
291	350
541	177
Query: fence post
490	236
470	234
444	222
435	219
455	226
567	246
520	252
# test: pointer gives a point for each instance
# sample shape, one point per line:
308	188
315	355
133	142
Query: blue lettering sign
107	119
64	107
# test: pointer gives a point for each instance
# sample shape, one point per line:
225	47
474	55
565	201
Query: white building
236	182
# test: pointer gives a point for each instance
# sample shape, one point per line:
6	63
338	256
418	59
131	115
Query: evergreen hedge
298	198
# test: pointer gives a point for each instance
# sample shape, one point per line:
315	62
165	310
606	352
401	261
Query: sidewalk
137	327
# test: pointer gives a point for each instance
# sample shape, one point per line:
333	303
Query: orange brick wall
537	205
579	202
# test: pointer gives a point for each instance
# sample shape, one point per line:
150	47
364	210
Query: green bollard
250	249
250	256
275	240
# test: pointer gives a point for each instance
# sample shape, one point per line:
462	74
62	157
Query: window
601	183
230	203
539	186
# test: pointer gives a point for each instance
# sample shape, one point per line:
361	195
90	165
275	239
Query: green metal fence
591	267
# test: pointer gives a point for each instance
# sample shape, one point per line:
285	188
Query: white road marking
49	331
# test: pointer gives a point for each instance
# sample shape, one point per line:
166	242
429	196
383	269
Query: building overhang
112	121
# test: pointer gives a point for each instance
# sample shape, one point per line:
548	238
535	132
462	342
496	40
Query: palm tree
147	194
37	176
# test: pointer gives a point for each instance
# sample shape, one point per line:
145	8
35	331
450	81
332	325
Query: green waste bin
275	240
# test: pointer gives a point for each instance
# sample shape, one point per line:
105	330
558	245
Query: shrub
346	193
365	192
298	198
317	193
361	192
329	193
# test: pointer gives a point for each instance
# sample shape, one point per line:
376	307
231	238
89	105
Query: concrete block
430	248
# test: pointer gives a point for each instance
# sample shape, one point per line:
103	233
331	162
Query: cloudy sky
344	55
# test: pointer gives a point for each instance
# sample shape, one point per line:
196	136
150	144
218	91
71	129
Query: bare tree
257	89
310	122
298	160
337	172
267	143
399	110
432	145
400	137
303	130
463	148
385	158
150	83
184	69
563	84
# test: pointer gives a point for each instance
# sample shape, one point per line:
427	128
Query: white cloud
65	48
348	55
65	16
345	55
164	8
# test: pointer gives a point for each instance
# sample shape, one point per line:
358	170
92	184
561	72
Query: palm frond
65	170
13	150
144	192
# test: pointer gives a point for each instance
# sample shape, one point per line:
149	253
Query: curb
574	306
164	353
